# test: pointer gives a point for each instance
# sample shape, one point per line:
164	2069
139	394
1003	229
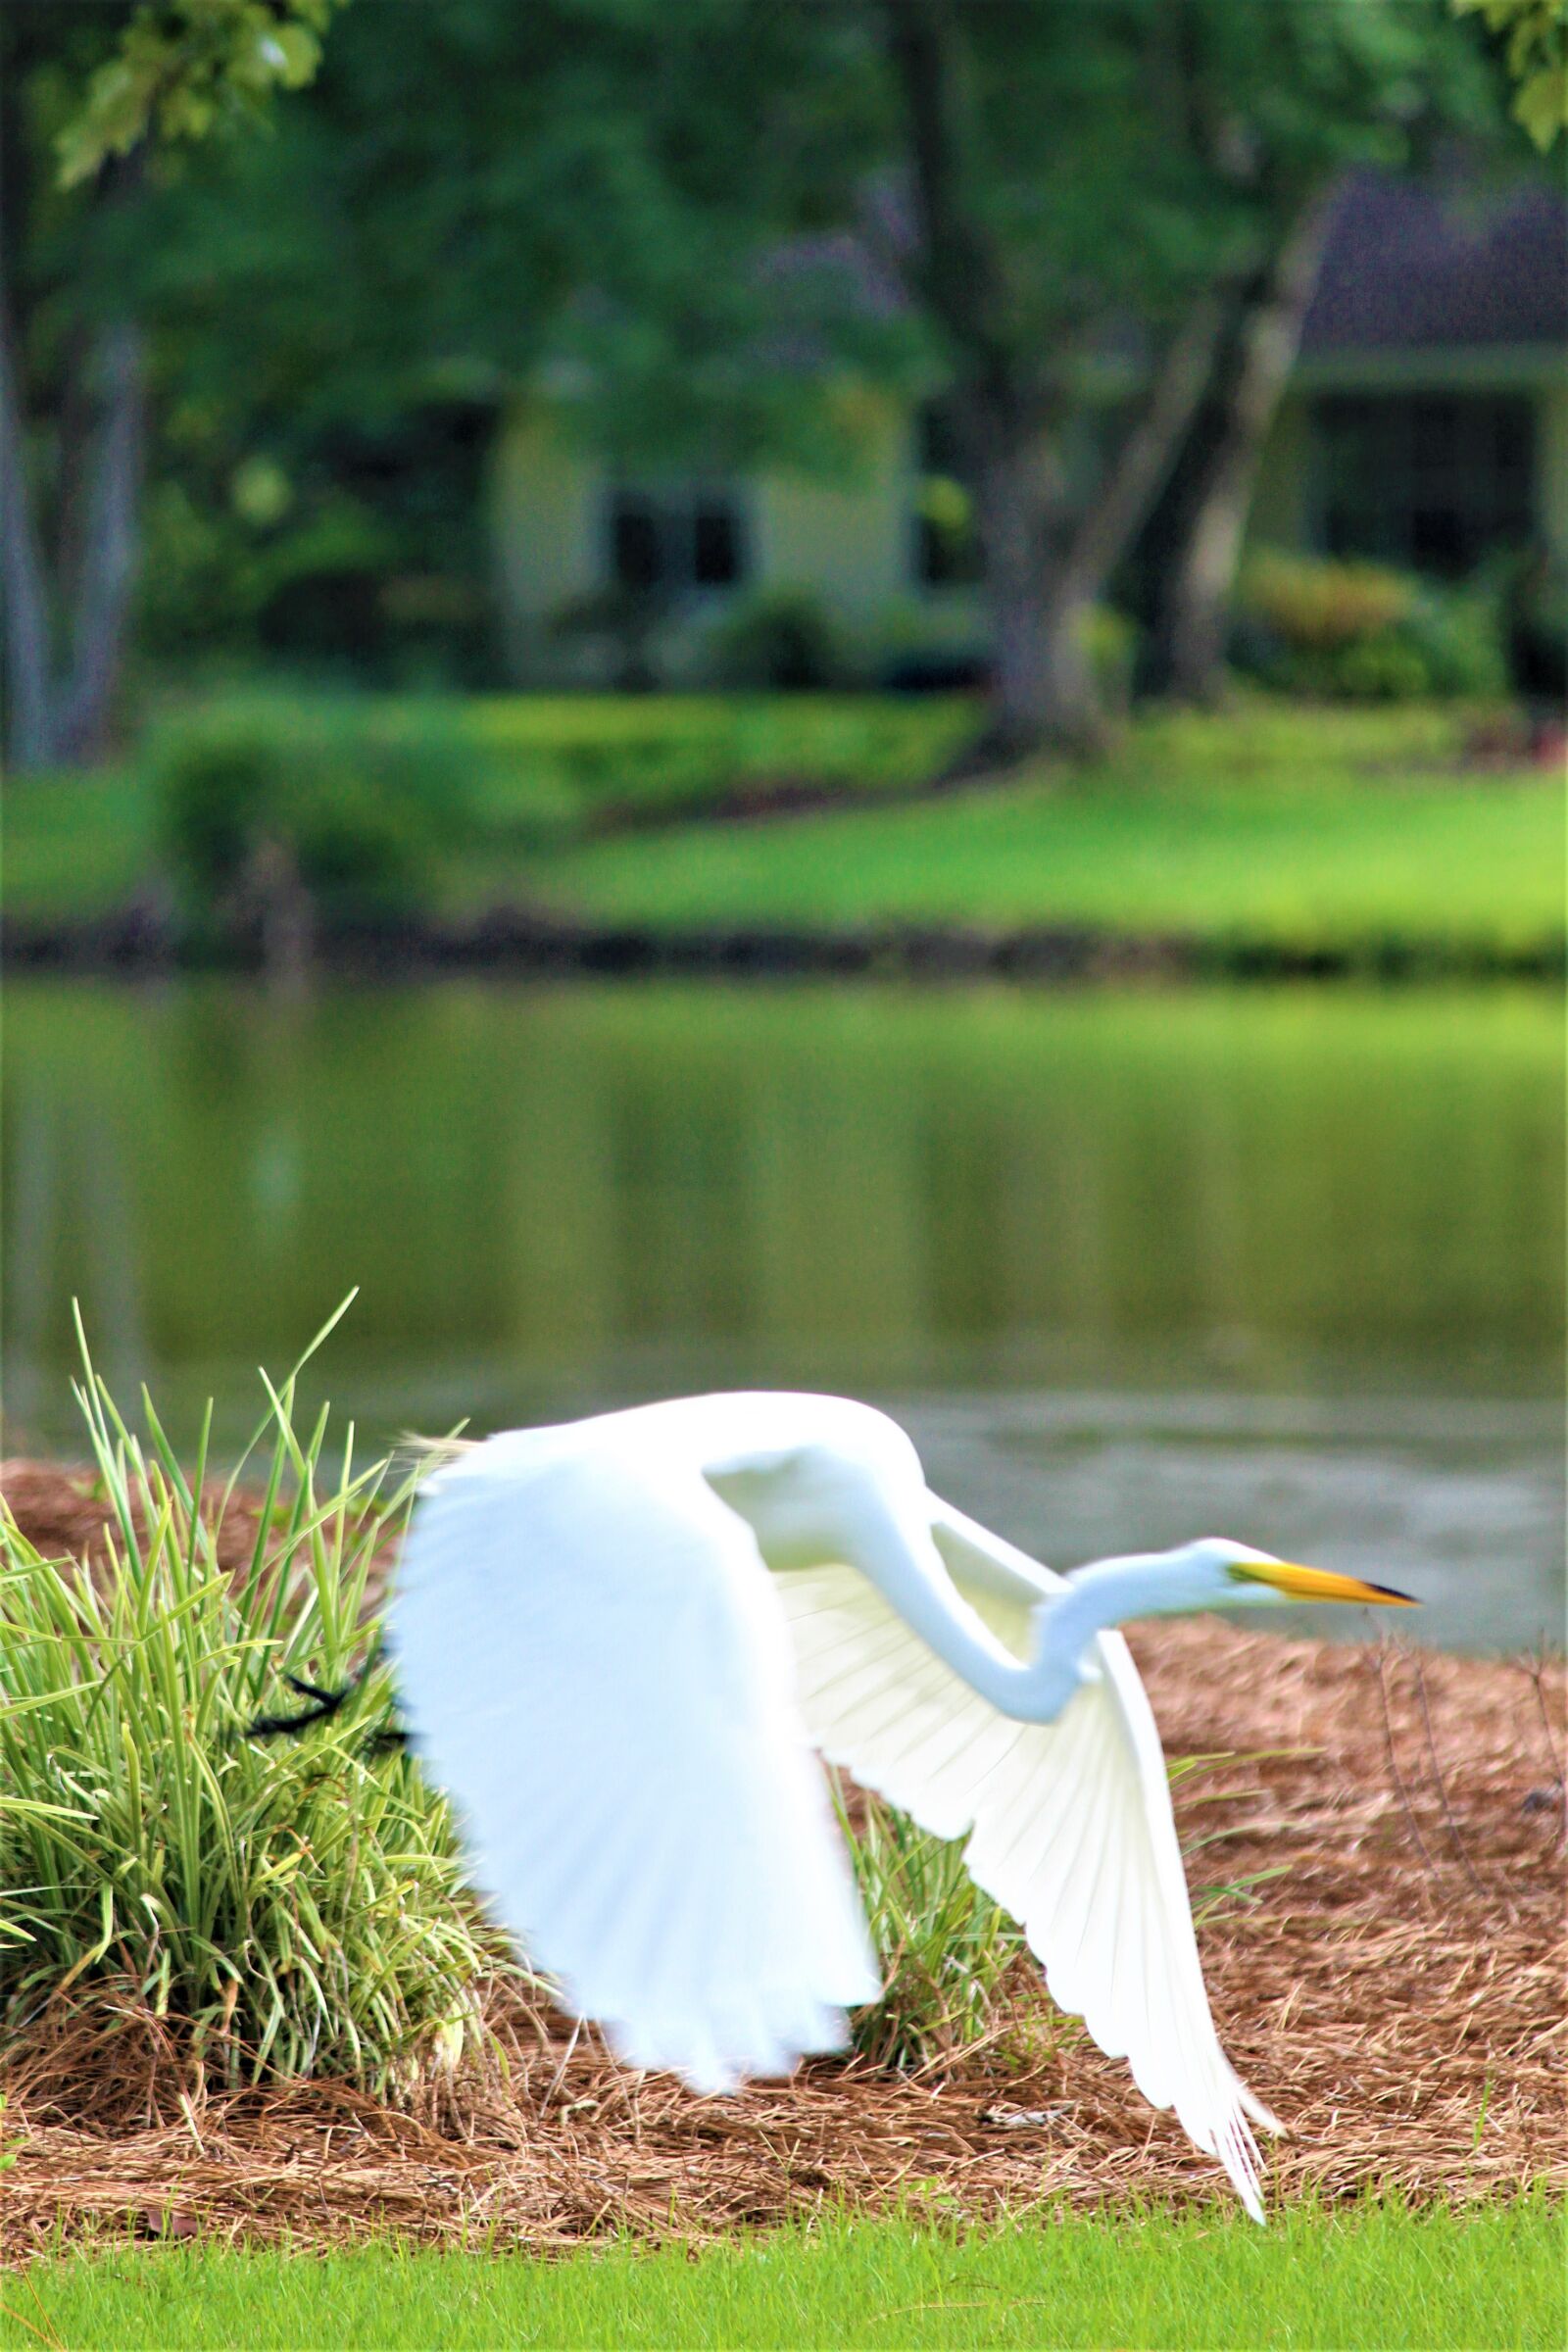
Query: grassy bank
1310	830
516	777
1376	2275
1278	831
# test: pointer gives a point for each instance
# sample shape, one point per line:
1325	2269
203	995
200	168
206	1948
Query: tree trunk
1043	568
957	275
1010	518
29	699
54	716
1111	521
67	612
1195	541
109	548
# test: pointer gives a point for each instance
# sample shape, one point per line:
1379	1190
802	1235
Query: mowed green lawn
1295	828
75	846
1376	2277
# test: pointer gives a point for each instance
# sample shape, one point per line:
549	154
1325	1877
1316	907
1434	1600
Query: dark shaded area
522	941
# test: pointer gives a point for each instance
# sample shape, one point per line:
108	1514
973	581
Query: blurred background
863	695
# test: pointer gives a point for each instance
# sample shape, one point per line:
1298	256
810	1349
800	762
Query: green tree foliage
86	91
182	68
697	223
1140	163
1533	35
585	194
705	218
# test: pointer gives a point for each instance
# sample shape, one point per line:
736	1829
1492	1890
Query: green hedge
345	799
357	795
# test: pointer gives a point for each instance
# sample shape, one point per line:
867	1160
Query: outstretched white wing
595	1665
1069	1824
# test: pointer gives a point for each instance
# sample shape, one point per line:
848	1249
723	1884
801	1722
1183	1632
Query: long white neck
808	1506
1093	1598
1063	1625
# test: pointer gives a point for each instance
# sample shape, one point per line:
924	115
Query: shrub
627	623
585	761
352	799
342	807
1360	632
1321	607
295	1906
1457	635
657	771
1384	668
781	638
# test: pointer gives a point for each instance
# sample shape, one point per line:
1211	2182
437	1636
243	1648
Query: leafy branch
186	67
1535	38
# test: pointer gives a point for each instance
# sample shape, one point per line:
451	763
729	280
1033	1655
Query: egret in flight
619	1641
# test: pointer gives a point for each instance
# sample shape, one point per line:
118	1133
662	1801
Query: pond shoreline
143	939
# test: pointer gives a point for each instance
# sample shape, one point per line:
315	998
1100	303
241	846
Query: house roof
1411	266
1446	279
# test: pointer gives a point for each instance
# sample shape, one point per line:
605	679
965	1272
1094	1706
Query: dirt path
1397	1996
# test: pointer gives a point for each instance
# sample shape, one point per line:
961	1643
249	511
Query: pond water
1284	1265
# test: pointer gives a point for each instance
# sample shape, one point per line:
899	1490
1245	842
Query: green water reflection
555	1197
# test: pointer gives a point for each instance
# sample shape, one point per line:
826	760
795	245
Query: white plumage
621	1640
1069	1829
597	1667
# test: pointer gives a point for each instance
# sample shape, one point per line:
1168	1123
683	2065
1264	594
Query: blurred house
1426	427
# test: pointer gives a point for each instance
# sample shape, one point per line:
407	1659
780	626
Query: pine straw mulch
1396	1996
61	1512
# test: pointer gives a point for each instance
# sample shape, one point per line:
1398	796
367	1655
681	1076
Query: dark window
716	545
634	530
675	538
1434	480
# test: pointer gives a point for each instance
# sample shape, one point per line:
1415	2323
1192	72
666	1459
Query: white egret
618	1641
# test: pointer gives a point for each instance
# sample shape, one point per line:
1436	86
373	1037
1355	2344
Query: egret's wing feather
594	1663
1069	1827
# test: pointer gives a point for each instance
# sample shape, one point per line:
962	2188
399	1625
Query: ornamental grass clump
941	1943
290	1906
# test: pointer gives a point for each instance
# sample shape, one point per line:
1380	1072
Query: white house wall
548	539
850	540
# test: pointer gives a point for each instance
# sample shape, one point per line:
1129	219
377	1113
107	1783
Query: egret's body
619	1641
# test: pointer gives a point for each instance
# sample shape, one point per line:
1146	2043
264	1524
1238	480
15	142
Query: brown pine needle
1368	2008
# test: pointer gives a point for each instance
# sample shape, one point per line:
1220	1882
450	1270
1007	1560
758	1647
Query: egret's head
1234	1575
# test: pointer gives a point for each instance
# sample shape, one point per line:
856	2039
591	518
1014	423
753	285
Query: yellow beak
1320	1584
